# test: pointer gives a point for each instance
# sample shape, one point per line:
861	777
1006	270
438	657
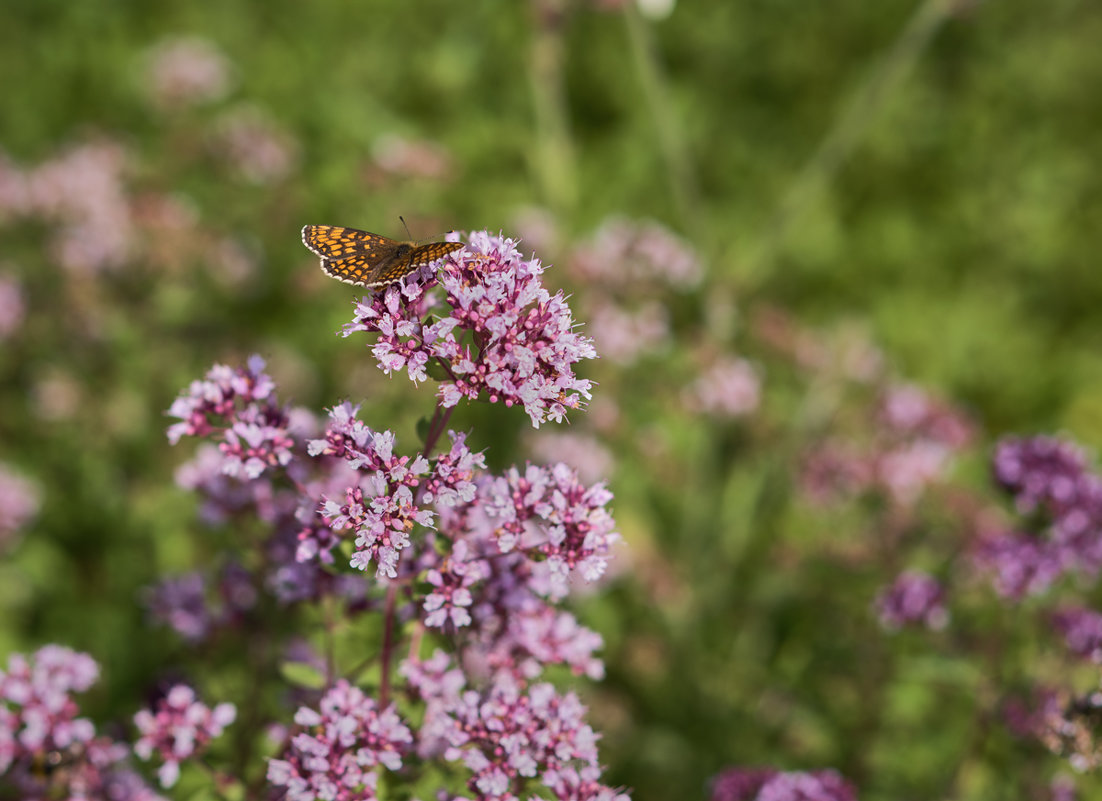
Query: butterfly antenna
403	219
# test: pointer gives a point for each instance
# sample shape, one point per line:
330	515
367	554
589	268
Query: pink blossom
494	329
179	728
339	748
728	388
187	71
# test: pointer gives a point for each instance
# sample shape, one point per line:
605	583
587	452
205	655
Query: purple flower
180	603
1082	630
82	189
18	504
252	144
625	253
914	597
511	735
336	754
624	334
40	688
583	452
768	784
11	306
548	511
39	725
451	597
219	396
739	784
496	332
1043	471
179	728
1049	481
729	388
187	71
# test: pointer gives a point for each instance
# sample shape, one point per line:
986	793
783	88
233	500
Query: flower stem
439	422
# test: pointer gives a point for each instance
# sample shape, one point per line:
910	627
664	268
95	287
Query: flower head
914	597
339	748
179	728
487	320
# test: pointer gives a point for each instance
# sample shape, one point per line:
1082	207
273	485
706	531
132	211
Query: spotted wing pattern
358	257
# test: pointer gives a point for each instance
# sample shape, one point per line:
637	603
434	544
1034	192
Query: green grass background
923	174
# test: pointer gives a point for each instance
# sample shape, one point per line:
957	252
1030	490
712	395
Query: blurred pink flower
415	158
593	461
626	253
623	335
914	597
11	306
82	189
729	388
19	502
179	728
254	145
186	71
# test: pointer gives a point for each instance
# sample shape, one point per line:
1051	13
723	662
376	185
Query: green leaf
302	675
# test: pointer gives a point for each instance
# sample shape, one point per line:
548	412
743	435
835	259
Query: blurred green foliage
956	228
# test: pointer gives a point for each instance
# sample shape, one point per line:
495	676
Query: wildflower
627	253
339	748
511	735
241	405
768	784
179	728
914	597
728	388
252	144
549	512
40	725
1082	630
11	306
500	335
1050	482
186	71
19	500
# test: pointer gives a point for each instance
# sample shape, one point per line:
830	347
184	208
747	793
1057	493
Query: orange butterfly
357	257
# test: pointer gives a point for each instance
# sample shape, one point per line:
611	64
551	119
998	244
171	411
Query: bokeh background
783	223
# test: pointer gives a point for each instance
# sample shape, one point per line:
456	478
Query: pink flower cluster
913	598
338	748
254	433
728	388
82	192
1082	630
179	728
623	252
510	735
497	333
46	749
186	71
1050	482
768	784
19	500
910	445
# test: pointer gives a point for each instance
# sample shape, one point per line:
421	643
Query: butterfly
357	257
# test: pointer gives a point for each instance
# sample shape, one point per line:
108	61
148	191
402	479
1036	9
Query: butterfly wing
433	251
407	257
337	242
365	259
359	270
